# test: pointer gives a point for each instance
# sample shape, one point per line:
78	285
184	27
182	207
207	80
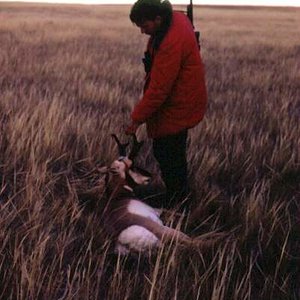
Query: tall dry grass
69	76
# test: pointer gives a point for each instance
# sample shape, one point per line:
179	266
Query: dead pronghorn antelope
134	225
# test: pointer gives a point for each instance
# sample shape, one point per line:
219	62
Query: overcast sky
212	2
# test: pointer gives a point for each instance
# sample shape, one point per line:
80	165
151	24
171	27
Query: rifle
190	15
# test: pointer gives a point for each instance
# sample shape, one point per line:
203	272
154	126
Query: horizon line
80	2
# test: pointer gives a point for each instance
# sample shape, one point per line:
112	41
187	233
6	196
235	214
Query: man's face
150	27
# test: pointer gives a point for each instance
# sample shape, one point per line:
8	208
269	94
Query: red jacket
175	94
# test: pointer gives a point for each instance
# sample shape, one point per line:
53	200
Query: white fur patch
139	178
142	209
128	188
136	238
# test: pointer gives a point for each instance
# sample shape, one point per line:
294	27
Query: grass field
69	77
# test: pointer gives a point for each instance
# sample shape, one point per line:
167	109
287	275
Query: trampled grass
69	77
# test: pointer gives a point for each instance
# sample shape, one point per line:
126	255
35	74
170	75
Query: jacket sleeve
164	72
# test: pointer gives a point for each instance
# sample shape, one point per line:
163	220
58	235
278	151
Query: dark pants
170	153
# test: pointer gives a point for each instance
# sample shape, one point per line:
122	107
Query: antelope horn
121	147
135	148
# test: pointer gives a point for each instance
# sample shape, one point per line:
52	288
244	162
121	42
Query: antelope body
134	225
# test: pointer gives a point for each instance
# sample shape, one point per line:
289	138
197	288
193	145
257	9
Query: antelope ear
103	170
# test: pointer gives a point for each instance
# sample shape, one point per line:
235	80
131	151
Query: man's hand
131	128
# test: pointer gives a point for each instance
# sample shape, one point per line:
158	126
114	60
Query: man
175	94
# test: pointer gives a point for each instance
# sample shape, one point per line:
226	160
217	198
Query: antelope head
124	168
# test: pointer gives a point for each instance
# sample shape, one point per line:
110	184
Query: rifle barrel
190	12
